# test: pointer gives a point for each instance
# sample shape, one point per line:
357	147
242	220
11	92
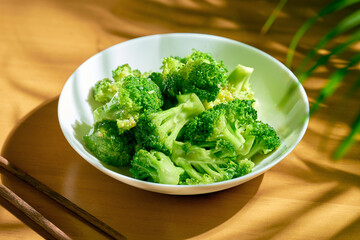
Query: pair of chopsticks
39	219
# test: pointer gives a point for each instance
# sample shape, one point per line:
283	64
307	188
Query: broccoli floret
203	75
171	65
168	88
170	81
157	78
203	78
135	95
205	56
237	87
155	166
245	166
239	112
158	130
197	73
121	72
224	121
104	90
110	147
203	166
262	139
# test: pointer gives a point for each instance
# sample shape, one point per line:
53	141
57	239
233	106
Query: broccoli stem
155	166
256	148
159	130
247	145
167	172
215	175
171	121
236	140
170	124
189	169
239	77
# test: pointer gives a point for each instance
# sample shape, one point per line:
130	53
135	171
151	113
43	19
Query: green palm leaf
334	81
346	24
349	140
332	7
273	16
324	59
339	75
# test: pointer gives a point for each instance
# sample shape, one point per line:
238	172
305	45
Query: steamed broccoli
261	137
237	87
203	75
158	130
121	72
155	166
239	112
196	73
135	95
224	121
236	122
245	166
190	123
110	147
171	80
104	90
203	166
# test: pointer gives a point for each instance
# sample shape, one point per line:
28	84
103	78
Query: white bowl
282	101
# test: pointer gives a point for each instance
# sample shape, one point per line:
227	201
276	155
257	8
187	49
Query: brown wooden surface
306	196
8	168
19	203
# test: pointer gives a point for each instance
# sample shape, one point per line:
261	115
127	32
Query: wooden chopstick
34	215
103	227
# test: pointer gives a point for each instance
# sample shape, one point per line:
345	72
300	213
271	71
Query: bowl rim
203	187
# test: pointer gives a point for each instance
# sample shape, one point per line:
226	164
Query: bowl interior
281	100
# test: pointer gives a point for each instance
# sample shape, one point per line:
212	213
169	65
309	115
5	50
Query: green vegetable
191	123
110	147
121	72
135	95
104	90
237	87
224	121
197	73
204	166
155	166
158	130
263	137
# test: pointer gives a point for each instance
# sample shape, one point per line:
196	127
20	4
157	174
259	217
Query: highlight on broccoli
191	123
155	166
262	138
203	75
104	90
121	72
237	86
158	130
197	73
110	147
135	95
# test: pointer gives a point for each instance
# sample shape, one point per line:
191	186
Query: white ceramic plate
282	101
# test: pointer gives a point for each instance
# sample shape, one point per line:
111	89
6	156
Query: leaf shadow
47	156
